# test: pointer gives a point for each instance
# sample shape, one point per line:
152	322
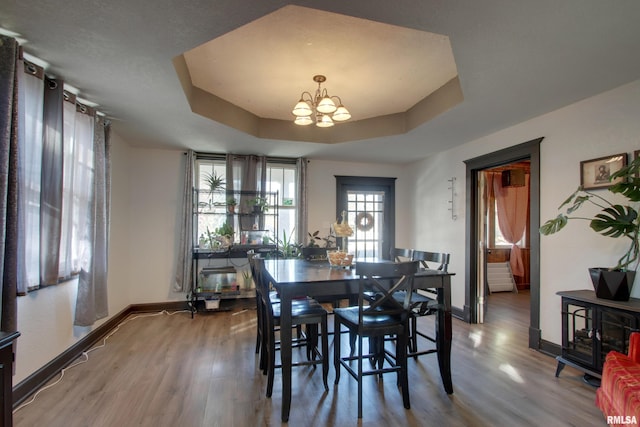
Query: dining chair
305	312
260	316
376	319
421	304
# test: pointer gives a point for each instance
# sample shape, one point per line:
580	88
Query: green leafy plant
287	248
214	181
224	230
314	239
261	203
613	220
231	201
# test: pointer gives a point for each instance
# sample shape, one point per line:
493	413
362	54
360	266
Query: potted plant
316	251
260	204
214	183
231	205
286	247
613	220
224	234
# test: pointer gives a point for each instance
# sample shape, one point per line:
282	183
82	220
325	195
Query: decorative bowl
340	259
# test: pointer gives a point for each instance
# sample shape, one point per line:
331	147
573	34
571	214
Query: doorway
475	301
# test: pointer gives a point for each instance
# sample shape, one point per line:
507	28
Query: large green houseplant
613	220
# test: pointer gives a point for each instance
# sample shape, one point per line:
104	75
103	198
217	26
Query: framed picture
595	173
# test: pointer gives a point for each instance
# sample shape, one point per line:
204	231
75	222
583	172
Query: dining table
295	278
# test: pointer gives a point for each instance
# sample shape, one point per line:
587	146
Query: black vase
612	284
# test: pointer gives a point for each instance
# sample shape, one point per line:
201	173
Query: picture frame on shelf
595	173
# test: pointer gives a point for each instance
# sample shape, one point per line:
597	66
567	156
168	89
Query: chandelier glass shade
320	106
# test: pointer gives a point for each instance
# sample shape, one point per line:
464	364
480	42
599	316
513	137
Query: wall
599	126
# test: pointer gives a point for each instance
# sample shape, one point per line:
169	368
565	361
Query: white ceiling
515	60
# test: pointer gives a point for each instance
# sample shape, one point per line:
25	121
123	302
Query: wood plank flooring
176	371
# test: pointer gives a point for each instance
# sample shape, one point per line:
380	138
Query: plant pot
315	253
612	284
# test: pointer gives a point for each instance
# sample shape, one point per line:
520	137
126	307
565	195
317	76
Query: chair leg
359	376
352	342
401	351
413	336
336	348
325	352
271	362
312	341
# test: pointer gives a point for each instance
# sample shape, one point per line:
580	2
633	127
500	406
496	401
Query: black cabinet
592	327
6	376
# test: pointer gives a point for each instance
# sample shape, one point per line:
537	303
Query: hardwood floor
176	371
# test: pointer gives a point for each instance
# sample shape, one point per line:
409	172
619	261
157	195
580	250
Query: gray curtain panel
183	272
250	172
301	198
9	53
51	187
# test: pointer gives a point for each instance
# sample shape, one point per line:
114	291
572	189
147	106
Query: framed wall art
595	173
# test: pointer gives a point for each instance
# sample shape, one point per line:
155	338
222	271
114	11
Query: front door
368	204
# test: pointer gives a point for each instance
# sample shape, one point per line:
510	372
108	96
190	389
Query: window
281	177
498	239
56	170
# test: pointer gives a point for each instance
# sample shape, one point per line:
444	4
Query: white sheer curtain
31	99
94	161
85	170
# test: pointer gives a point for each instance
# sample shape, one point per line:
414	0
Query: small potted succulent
613	220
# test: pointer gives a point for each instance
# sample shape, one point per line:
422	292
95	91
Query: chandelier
321	106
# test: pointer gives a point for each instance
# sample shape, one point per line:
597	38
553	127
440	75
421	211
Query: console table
591	327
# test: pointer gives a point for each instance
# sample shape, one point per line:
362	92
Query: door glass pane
365	214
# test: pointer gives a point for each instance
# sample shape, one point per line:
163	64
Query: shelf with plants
226	225
226	218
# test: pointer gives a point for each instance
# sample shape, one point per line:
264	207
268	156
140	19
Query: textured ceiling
515	61
376	69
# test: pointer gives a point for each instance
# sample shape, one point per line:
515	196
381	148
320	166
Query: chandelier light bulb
326	105
302	108
303	120
324	122
341	114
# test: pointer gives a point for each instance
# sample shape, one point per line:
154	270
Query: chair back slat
438	260
374	278
401	254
